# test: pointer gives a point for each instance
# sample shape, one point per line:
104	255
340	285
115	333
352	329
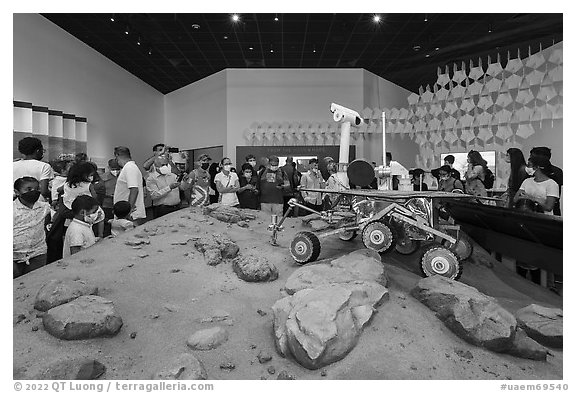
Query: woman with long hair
476	173
518	174
539	188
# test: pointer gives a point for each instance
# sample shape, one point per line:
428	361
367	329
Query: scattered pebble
271	370
253	346
87	261
131	265
228	366
261	313
174	230
264	357
323	373
155	316
464	354
160	251
19	318
137	247
413	367
210	223
181	225
143	255
34	328
175	271
284	375
133	335
263	377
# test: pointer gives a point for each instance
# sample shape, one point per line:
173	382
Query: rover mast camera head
342	114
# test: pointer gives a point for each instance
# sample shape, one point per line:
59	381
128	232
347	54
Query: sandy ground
404	340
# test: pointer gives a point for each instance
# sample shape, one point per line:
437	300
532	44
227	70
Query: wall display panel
22	126
81	135
40	127
55	133
69	127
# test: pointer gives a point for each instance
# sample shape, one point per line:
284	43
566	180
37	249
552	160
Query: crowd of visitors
67	205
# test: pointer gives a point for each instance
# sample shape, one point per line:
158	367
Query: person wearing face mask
539	188
130	185
248	191
163	186
251	159
227	183
31	165
199	182
30	218
312	179
447	182
272	182
79	234
108	180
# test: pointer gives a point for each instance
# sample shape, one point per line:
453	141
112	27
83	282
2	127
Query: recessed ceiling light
426	18
251	48
276	19
138	41
235	18
427	54
416	48
436	48
112	18
195	26
225	37
376	18
271	50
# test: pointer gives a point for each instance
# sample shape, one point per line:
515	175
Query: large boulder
207	339
321	325
471	315
362	265
71	367
86	317
216	247
254	269
185	366
56	292
526	348
542	324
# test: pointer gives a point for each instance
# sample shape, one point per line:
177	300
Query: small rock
228	366
323	373
174	230
213	256
133	335
184	367
243	224
230	250
464	354
261	313
208	339
34	328
170	307
210	223
137	247
136	242
175	271
181	225
413	367
271	370
254	269
264	357
284	375
155	316
253	346
19	318
143	255
56	292
141	235
90	370
87	261
263	378
160	251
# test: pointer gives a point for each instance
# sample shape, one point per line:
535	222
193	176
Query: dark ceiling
175	50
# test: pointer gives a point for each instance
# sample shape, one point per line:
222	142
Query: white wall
196	114
278	95
54	69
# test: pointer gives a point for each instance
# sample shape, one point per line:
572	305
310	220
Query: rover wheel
305	247
462	248
439	260
347	235
378	236
407	246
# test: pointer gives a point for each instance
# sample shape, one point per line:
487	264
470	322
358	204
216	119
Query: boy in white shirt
79	234
120	223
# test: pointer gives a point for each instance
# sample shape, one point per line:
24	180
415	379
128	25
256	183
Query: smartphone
180	176
173	150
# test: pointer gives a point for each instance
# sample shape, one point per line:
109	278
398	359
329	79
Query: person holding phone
227	183
164	187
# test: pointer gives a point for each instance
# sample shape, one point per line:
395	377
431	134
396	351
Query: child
30	217
120	223
61	168
79	234
447	182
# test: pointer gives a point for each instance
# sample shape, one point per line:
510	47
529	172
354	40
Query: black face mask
30	196
205	165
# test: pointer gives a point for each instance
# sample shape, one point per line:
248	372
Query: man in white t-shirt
539	188
31	165
129	186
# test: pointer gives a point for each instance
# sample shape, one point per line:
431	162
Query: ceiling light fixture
235	18
112	17
251	48
425	17
127	31
376	18
416	48
195	26
225	37
490	28
436	48
427	54
276	18
150	51
138	41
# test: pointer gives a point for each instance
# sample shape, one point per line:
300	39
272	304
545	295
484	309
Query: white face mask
530	171
164	169
227	167
115	172
91	218
90	178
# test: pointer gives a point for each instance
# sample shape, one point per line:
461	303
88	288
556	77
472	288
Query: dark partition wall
265	151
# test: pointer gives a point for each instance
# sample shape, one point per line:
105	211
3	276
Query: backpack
488	179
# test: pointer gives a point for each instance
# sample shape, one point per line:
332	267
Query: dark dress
248	199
